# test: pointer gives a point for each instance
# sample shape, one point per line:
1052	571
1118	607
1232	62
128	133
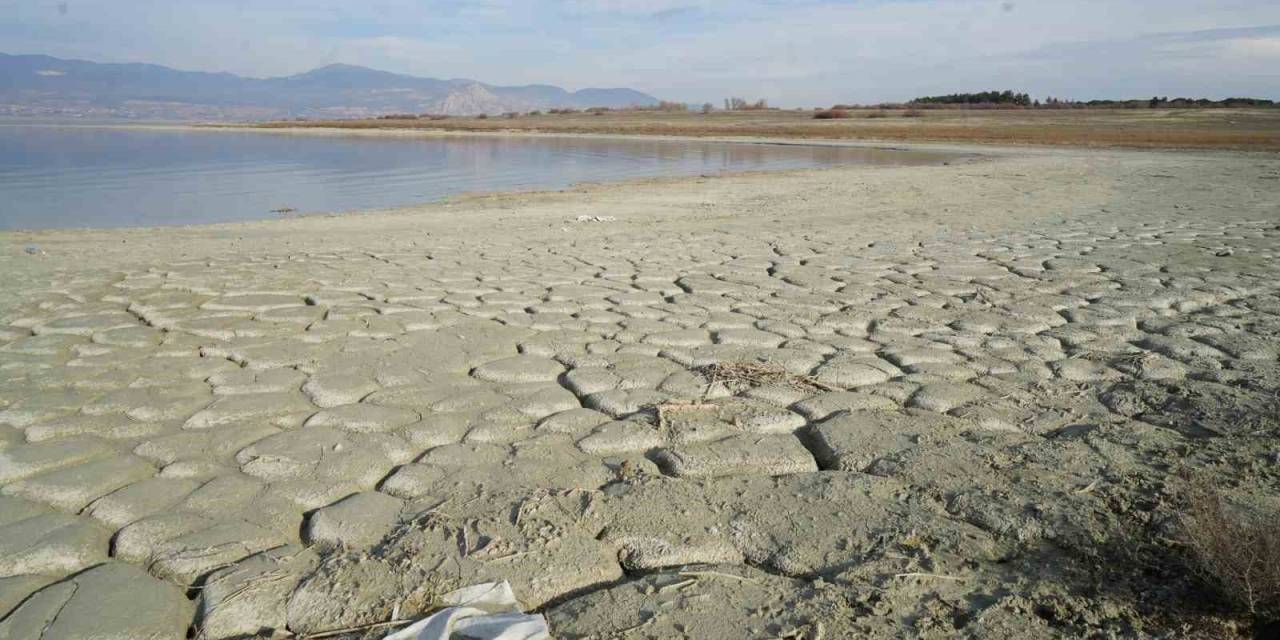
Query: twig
676	586
700	574
927	575
509	556
356	629
752	374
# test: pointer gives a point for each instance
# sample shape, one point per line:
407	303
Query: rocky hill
35	85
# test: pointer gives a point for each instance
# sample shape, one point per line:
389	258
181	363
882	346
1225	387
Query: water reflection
103	177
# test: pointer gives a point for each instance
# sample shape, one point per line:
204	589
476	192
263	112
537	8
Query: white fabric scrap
486	611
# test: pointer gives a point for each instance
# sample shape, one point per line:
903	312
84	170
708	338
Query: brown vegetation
1236	549
739	376
830	114
740	104
1218	128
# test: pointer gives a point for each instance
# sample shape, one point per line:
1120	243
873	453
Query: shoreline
994	147
886	144
961	153
446	206
944	155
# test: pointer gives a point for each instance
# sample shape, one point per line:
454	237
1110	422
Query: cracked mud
293	427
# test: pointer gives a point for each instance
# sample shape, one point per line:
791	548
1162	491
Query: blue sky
794	53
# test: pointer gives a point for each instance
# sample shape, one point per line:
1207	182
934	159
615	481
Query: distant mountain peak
47	86
340	68
340	65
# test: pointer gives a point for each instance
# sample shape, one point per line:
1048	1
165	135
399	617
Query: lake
89	176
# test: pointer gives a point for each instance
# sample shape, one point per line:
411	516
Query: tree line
982	97
1014	99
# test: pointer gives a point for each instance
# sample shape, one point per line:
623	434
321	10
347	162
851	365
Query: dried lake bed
971	394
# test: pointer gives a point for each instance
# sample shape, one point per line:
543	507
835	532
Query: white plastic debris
597	219
486	611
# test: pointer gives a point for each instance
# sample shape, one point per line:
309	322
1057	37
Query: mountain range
37	85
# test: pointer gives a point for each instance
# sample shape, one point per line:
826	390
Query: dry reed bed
1239	129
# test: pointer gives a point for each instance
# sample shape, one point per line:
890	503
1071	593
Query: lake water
83	176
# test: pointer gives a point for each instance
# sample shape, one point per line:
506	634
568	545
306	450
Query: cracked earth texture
1005	364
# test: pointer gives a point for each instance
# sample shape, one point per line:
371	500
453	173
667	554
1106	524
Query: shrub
1237	549
483	116
877	114
511	115
740	104
982	97
830	114
913	113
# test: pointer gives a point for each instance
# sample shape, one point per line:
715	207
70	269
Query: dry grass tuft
739	376
1237	549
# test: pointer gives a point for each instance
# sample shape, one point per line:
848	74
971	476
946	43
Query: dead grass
739	376
1237	549
830	114
1244	129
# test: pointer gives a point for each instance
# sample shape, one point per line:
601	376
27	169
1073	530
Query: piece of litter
486	611
596	219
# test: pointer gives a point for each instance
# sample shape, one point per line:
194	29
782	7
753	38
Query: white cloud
798	52
1268	48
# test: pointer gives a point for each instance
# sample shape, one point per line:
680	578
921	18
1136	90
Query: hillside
36	85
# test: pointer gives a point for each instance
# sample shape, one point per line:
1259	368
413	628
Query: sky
794	53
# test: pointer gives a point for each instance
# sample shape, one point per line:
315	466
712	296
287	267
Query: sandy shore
951	401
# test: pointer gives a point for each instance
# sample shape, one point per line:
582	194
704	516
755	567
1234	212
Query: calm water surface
77	176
